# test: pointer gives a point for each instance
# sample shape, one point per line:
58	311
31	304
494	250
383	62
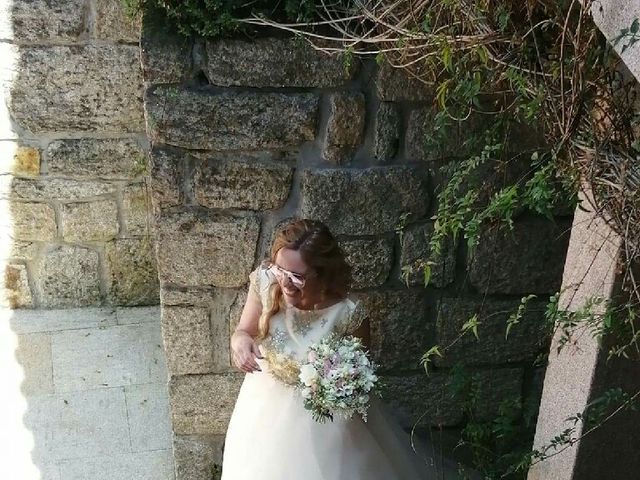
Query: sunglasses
281	274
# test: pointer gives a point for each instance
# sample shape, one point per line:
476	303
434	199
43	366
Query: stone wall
74	202
245	135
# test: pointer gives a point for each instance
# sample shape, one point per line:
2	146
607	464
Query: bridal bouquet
338	379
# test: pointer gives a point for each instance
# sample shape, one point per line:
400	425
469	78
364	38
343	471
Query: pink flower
327	366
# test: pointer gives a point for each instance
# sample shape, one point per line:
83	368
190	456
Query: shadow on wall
83	390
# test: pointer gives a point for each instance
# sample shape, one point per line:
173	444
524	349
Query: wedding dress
272	437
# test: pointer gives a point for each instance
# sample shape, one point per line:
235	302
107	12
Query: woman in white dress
294	300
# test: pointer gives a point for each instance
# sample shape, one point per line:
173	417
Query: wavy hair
320	251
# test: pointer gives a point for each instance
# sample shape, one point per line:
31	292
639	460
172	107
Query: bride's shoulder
260	280
262	275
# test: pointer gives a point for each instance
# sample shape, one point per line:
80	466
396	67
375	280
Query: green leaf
472	324
515	318
347	60
426	359
446	56
441	94
426	270
406	272
426	23
483	54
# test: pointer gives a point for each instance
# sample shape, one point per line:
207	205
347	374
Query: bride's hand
244	352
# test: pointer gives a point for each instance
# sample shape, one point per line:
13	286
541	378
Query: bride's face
291	272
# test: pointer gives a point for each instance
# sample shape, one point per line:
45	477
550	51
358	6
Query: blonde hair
320	251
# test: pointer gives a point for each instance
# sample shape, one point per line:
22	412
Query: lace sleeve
260	282
354	318
254	282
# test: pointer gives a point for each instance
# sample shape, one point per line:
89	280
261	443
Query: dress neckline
316	310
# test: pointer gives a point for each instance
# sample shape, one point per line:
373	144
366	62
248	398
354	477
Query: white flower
346	353
363	360
308	375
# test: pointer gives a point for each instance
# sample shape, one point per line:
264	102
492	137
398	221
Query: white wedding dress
272	437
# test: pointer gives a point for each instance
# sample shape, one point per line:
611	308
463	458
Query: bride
294	300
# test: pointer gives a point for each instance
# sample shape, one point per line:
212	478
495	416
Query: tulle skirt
272	437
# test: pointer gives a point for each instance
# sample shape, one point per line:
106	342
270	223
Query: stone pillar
579	372
612	16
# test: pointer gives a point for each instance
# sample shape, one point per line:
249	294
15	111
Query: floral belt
282	367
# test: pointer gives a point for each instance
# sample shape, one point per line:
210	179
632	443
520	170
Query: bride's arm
250	315
243	346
